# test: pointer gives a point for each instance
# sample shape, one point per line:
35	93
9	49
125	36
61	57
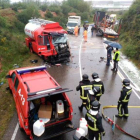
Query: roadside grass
12	51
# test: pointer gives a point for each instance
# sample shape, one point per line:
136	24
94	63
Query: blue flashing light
26	70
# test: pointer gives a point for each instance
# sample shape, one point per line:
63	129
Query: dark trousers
98	98
94	134
115	65
123	109
83	104
108	60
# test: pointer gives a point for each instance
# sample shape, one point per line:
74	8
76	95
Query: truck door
12	82
43	40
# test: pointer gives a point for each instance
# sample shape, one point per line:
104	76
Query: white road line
80	59
122	77
15	132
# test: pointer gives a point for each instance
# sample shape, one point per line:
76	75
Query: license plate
111	36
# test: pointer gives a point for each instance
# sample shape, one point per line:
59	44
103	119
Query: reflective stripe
118	58
83	97
95	127
99	136
126	115
100	86
120	113
84	103
88	105
126	96
83	92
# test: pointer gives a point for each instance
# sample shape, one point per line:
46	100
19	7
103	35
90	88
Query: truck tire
30	48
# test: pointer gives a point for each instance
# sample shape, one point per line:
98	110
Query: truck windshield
60	39
71	24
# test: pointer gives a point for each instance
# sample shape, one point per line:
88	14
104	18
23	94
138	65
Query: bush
43	8
48	15
3	22
31	11
19	25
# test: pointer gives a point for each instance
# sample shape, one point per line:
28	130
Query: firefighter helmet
95	105
85	77
126	82
96	90
95	75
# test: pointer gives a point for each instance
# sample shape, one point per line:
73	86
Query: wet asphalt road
68	76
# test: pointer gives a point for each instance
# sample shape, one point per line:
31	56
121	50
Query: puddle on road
131	70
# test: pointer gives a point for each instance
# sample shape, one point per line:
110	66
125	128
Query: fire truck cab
47	39
38	97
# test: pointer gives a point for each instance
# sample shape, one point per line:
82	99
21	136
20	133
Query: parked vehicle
43	108
47	39
72	22
104	26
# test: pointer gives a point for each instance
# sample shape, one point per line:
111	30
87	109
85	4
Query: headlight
62	45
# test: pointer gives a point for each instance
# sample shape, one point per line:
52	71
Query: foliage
48	15
2	22
43	7
31	11
130	35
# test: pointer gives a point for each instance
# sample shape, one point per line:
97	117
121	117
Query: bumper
55	130
70	31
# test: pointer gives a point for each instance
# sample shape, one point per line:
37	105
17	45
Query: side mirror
8	76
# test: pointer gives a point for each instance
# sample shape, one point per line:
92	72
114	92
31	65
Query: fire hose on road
112	122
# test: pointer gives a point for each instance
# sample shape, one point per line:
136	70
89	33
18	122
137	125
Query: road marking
15	132
80	59
88	48
122	77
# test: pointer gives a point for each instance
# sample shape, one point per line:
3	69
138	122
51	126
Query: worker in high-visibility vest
98	83
84	86
124	99
91	96
94	121
76	30
116	59
85	35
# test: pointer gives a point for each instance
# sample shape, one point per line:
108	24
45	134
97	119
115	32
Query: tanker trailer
48	40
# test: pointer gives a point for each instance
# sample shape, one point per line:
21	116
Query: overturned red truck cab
47	39
43	108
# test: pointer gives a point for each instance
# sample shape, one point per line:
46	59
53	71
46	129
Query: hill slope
130	32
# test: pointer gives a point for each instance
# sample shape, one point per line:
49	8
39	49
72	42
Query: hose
113	122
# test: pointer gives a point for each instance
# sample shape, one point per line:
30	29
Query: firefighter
91	96
84	86
94	121
85	35
76	30
98	83
116	59
124	99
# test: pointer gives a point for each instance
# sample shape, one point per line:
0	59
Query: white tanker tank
35	24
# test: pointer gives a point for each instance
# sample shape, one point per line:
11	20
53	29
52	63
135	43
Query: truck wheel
30	48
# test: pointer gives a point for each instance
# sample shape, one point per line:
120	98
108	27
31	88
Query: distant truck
72	22
47	39
104	26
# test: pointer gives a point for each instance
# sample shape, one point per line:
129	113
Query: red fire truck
36	96
47	39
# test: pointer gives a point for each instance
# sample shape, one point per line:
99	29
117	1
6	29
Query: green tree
31	11
48	15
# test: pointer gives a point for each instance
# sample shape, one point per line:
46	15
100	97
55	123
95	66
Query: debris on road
16	66
34	61
1	84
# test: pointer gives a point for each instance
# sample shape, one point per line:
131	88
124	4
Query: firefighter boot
118	116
